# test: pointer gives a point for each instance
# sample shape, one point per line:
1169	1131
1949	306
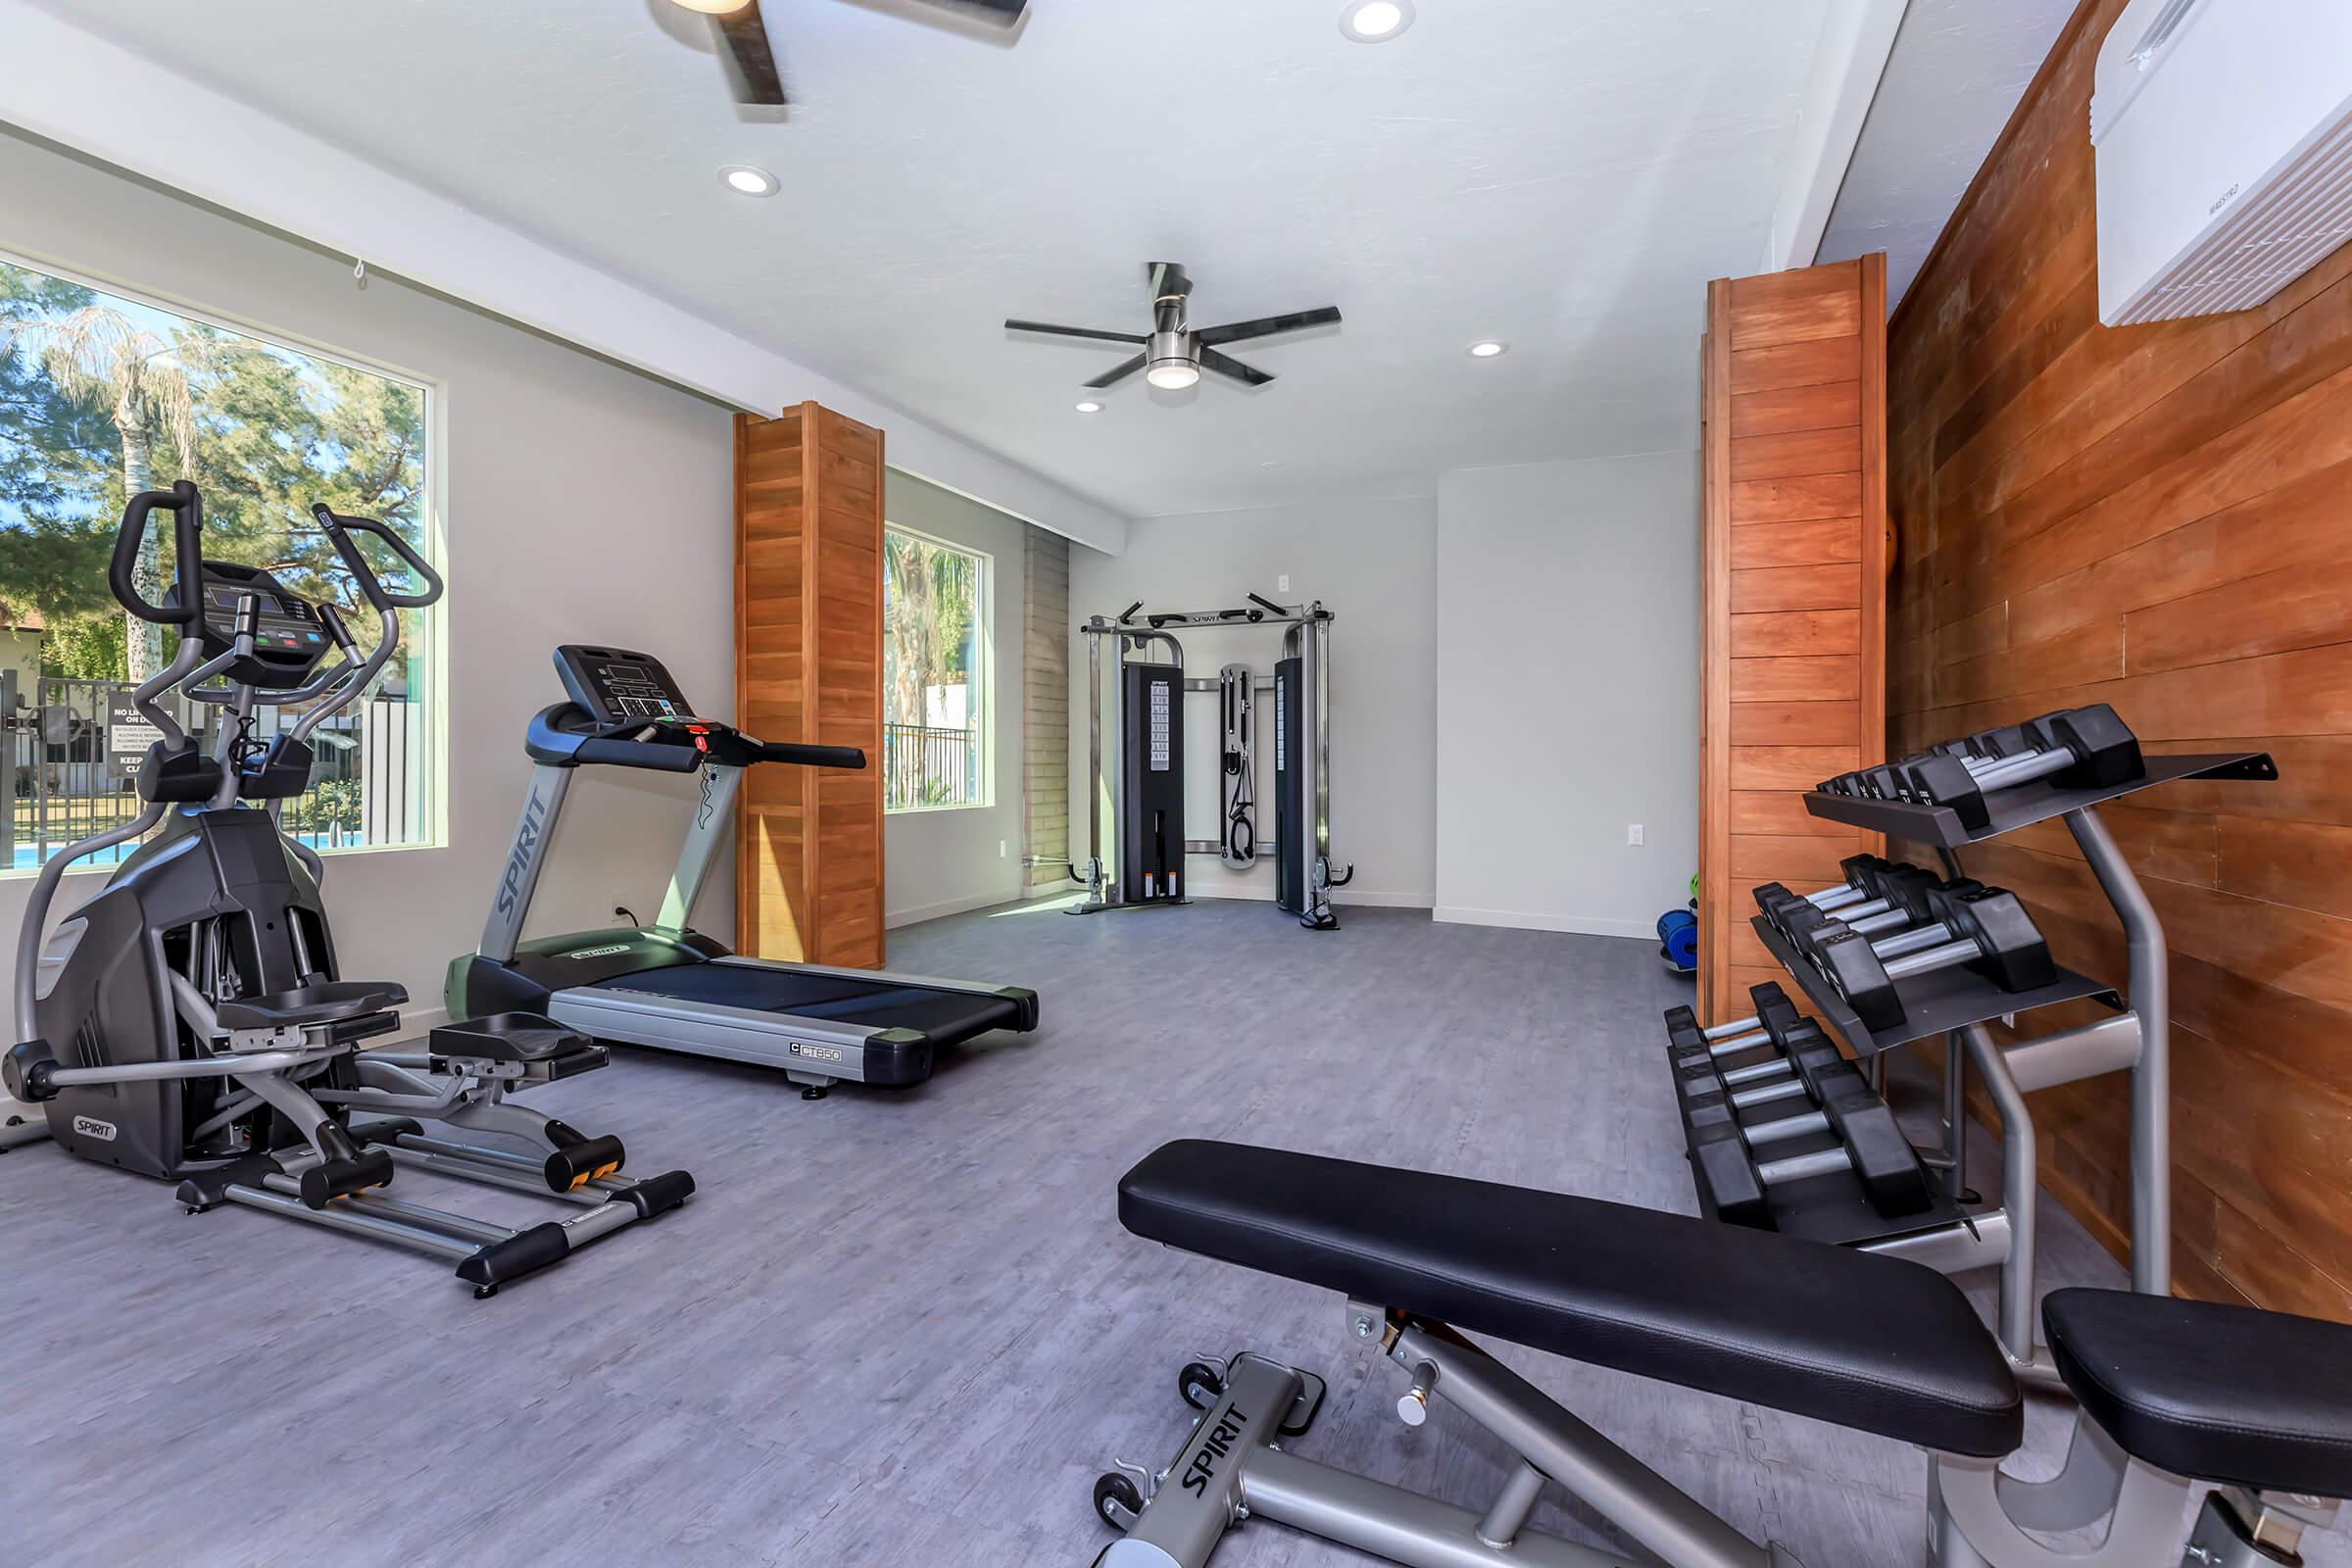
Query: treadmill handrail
567	737
563	735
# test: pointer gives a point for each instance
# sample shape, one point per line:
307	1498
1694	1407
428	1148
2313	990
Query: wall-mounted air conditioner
2224	137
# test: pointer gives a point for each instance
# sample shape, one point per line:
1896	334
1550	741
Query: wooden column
808	668
1793	618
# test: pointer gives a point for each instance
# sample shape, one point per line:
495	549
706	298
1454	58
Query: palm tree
100	354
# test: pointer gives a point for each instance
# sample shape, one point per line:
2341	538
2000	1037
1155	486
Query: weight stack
1152	783
1295	850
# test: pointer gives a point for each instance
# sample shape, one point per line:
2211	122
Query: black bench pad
321	1002
2214	1393
1871	1343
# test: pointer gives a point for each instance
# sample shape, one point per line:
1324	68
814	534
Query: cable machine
1148	810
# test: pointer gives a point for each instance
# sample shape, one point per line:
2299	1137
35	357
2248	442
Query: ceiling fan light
712	8
1173	375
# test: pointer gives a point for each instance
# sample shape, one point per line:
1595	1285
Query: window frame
432	668
984	660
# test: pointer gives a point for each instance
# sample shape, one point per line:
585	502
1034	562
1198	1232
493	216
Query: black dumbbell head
1726	1176
1884	1161
2011	952
2106	751
1846	961
1944	780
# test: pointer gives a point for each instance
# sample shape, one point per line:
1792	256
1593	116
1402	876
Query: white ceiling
1565	176
1958	69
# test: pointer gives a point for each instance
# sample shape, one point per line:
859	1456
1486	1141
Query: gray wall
583	503
1568	692
939	863
1372	563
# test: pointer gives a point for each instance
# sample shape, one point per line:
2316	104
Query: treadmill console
614	685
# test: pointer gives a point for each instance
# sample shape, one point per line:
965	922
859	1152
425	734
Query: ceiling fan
739	32
1174	353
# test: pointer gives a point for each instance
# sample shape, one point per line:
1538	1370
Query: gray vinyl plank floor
891	1328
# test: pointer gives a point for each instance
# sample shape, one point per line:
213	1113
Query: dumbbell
1983	929
2081	748
1894	896
1860	871
1884	782
1733	1155
1702	1067
1683	1032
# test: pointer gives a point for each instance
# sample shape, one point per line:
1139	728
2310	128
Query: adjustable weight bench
2260	1403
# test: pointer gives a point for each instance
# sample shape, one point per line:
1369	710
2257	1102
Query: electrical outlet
1282	584
1632	834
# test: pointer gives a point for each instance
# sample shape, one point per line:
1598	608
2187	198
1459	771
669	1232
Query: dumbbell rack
1958	1004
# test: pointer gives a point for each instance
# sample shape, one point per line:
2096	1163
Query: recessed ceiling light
1487	349
1376	21
712	8
745	180
1090	406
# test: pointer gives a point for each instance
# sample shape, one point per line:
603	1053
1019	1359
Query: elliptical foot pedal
210	1189
578	1160
331	1179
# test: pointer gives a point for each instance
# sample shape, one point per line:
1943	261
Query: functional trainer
206	1035
1149	818
2170	1394
667	985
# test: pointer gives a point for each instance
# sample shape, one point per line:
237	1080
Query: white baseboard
1582	925
892	919
1339	897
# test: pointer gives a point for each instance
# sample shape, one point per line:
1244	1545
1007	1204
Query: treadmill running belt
945	1016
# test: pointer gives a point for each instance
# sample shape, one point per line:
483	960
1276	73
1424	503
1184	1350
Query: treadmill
668	986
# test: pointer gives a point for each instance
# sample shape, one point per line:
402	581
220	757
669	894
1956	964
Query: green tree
97	352
86	647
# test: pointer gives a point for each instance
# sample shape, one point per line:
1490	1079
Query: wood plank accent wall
1793	561
1046	706
2158	518
808	668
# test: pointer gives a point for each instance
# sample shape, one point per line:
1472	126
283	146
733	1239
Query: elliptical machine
188	1022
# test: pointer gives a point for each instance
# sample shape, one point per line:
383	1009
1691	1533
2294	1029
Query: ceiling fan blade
1226	365
1073	332
1120	372
1000	13
745	36
1267	325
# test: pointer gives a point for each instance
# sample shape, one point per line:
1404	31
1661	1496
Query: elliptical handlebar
338	530
187	507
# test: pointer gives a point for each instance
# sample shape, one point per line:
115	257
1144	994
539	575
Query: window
934	673
102	395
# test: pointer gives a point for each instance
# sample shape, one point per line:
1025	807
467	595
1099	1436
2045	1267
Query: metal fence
70	753
925	765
